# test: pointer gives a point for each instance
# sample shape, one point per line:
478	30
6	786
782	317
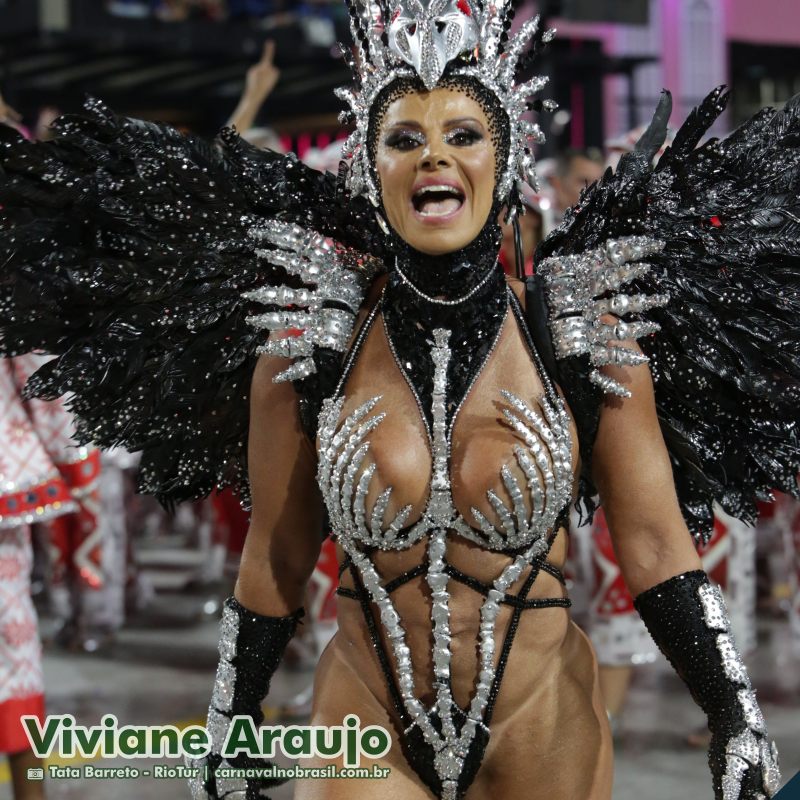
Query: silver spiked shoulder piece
320	314
430	40
581	289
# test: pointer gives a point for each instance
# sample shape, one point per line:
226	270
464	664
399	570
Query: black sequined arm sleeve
250	647
633	472
686	617
280	552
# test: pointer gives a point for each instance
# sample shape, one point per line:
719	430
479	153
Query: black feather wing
125	253
726	362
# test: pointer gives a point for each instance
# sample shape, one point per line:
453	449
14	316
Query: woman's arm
260	80
684	613
285	535
280	552
633	474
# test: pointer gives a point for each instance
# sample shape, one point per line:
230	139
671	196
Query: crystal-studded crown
431	39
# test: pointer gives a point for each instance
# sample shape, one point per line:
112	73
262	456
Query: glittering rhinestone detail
231	788
229	630
714	611
716	619
744	752
217	726
339	277
250	647
582	288
687	618
224	686
429	36
546	461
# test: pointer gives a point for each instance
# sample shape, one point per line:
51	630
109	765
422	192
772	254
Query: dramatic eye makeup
463	136
458	132
404	139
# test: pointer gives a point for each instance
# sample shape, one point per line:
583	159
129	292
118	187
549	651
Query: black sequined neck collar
474	323
450	275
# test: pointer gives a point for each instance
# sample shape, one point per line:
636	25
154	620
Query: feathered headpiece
433	40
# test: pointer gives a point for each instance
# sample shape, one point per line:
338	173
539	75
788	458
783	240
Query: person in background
575	169
45	478
42	131
531	233
561	188
261	79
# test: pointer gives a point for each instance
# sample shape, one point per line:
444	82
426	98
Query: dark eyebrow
408	123
405	123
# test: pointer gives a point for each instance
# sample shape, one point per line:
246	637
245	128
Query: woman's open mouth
437	201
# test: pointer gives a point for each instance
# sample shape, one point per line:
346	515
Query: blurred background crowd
127	594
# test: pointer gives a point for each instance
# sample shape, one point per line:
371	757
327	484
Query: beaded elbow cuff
581	288
250	647
687	618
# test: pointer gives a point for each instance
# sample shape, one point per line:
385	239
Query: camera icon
35	774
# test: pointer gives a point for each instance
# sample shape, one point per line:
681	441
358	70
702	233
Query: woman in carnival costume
442	417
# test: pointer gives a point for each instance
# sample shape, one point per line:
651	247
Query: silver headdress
436	39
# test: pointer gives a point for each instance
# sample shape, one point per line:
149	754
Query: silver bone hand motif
582	288
337	275
546	462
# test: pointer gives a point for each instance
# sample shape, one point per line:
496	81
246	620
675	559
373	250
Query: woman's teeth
437	200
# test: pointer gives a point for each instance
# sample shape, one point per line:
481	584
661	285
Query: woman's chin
440	242
436	240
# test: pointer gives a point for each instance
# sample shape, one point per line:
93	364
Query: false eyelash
398	138
471	134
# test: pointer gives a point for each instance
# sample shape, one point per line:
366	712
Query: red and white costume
43	476
617	633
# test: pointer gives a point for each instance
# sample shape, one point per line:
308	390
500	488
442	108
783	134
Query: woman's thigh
559	749
337	693
557	746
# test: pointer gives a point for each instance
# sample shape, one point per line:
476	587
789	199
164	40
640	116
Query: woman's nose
434	156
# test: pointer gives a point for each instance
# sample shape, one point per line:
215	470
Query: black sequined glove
687	619
250	647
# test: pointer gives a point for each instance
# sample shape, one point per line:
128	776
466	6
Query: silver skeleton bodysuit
544	456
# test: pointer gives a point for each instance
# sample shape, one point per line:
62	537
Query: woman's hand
262	77
260	80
